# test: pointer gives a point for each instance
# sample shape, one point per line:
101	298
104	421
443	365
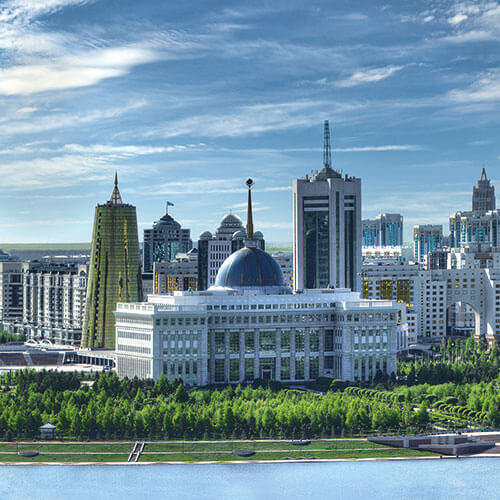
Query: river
476	479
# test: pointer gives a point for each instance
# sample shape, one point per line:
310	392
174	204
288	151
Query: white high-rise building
327	228
54	297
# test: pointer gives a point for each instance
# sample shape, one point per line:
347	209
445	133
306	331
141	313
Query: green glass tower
115	270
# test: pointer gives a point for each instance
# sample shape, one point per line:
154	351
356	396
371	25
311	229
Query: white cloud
126	150
393	147
254	119
457	19
27	109
486	88
211	186
54	121
369	76
55	172
32	9
75	71
353	149
476	35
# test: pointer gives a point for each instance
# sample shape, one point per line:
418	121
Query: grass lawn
75	448
269	445
274	455
199	452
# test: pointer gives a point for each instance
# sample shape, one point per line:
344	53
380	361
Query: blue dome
249	267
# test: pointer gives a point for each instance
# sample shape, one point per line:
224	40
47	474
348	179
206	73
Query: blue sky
188	99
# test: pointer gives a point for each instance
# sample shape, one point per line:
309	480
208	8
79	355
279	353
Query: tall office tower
163	241
327	227
115	270
214	249
426	238
386	230
483	195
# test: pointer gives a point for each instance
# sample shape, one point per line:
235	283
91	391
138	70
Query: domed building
249	325
250	268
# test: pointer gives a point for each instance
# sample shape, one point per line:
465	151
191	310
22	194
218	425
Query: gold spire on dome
249	183
116	198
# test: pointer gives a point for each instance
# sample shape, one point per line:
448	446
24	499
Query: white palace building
250	325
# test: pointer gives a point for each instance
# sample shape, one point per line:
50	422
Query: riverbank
210	452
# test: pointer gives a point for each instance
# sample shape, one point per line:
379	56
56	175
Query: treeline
6	337
460	362
127	409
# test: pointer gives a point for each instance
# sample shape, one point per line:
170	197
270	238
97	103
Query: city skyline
185	107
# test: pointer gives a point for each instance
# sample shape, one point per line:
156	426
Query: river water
476	479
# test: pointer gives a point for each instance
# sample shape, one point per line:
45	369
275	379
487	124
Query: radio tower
327	150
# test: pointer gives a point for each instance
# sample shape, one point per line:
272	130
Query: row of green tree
109	408
461	362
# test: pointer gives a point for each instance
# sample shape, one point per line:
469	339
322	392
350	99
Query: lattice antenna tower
327	149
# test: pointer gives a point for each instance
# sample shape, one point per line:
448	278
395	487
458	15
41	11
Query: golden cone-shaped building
115	270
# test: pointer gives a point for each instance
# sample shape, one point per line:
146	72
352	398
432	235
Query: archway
462	320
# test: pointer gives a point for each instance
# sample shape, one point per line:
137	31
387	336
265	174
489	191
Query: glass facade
316	247
350	245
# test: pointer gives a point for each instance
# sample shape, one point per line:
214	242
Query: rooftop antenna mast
327	149
249	184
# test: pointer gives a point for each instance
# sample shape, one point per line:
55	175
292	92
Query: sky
186	100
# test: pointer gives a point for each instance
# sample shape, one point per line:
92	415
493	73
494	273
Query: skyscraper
386	230
164	241
327	227
483	195
115	269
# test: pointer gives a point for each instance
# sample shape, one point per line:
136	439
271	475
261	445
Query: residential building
54	297
383	255
327	228
426	238
115	270
386	230
475	227
11	292
433	297
164	241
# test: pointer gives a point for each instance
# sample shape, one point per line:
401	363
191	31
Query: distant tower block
115	270
483	195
